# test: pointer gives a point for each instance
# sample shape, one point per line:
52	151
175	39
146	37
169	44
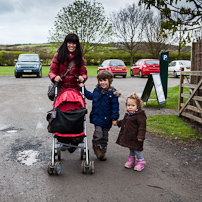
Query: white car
175	67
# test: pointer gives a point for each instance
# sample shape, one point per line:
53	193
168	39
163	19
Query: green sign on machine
164	71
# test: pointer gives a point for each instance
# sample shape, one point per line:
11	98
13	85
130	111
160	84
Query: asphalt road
25	149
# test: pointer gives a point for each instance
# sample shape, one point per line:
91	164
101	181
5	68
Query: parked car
175	67
28	64
116	66
145	67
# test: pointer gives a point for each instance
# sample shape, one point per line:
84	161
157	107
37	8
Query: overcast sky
29	21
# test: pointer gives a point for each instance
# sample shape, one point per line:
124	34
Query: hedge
7	57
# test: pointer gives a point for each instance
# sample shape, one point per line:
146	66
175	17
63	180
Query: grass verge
171	101
172	127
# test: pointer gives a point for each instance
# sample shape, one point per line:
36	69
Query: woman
68	51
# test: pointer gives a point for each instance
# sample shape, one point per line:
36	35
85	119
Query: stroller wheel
50	168
83	167
91	167
57	168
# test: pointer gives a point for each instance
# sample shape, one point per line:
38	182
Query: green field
9	70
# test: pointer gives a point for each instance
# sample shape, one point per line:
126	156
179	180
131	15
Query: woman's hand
80	79
58	79
140	140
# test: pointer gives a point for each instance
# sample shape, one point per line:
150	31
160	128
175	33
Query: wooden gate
192	107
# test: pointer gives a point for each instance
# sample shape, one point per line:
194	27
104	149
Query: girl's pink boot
140	165
130	163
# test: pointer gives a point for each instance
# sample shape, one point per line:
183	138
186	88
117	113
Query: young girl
133	129
105	111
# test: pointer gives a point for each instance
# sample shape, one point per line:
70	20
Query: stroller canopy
70	95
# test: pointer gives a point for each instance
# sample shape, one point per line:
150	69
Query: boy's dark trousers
100	141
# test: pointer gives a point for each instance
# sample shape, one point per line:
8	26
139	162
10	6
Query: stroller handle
78	78
82	88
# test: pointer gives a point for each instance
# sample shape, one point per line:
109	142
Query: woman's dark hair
105	74
62	51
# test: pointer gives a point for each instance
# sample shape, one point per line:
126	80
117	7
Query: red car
145	67
116	66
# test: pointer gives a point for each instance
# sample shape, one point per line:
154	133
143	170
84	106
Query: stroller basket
68	122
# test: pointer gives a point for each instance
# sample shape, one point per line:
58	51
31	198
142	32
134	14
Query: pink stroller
68	126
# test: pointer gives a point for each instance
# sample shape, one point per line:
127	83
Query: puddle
11	131
39	125
27	157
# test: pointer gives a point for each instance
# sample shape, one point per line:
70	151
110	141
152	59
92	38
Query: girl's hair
135	97
62	51
104	74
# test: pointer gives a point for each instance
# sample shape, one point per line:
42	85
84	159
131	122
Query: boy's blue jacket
105	106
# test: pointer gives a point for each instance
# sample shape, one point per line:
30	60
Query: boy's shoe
140	165
130	163
97	151
104	150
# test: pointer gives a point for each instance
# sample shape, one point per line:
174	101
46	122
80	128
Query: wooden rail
192	107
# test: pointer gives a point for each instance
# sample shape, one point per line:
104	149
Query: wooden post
193	64
180	100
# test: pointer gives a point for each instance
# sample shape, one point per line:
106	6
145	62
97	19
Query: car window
117	63
104	64
170	64
185	63
28	58
138	62
152	62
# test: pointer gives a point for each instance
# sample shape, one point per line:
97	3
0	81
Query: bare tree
127	27
190	8
180	35
152	31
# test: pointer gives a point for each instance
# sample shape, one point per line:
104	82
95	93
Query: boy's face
104	83
131	105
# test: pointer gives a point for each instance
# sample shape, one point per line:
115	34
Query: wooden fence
192	107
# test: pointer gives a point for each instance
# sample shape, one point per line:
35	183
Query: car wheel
131	73
140	74
175	74
17	75
39	74
124	76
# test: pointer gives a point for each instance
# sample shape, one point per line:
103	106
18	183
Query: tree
155	41
191	8
84	18
127	26
180	35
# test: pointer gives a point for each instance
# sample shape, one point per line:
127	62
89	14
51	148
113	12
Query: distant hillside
98	53
49	48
